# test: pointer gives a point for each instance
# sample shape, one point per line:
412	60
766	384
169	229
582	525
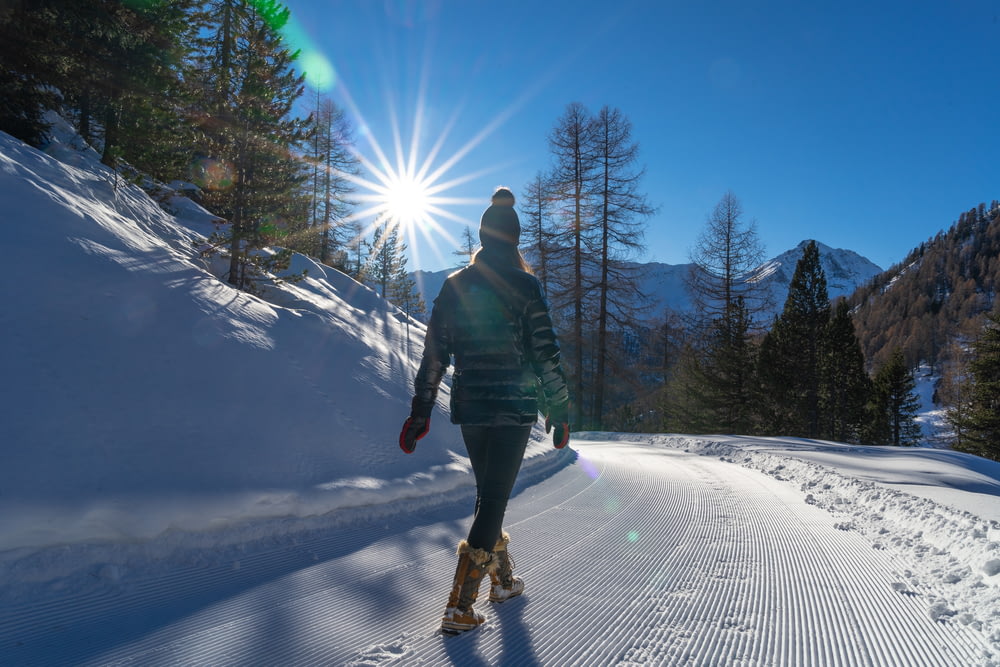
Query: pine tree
843	381
400	289
30	50
683	403
142	93
250	90
658	365
729	379
789	364
387	260
979	419
404	295
117	65
726	304
893	406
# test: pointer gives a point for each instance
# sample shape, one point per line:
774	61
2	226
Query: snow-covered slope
142	395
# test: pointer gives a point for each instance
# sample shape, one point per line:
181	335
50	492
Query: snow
194	475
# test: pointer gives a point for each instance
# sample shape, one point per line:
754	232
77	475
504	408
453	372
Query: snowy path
632	555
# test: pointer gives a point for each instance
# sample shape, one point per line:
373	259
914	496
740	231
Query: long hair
500	256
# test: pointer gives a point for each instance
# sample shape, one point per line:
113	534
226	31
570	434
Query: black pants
496	453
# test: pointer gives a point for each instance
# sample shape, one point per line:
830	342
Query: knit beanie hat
500	226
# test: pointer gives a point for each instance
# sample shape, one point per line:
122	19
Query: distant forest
935	298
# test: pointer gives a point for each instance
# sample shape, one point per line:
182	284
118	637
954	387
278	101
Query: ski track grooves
633	555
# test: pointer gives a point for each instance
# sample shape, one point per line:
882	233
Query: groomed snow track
632	555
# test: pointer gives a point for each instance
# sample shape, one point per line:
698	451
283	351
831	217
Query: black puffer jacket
494	319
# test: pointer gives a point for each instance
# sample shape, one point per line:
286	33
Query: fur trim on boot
504	585
473	565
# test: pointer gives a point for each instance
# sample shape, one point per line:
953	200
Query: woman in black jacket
492	316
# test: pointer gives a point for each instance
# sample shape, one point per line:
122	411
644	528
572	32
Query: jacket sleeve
436	358
543	349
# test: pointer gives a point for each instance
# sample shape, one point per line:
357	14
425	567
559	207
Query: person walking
493	318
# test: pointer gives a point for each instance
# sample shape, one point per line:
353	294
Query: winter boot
504	584
473	565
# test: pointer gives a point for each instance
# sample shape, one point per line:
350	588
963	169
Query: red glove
561	435
414	428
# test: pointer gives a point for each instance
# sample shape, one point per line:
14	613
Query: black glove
414	428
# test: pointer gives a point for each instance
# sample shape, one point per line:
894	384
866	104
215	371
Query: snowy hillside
665	283
142	395
192	475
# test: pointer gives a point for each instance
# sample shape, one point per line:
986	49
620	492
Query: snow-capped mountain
845	270
665	283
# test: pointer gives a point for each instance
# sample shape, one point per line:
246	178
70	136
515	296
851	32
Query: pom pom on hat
502	197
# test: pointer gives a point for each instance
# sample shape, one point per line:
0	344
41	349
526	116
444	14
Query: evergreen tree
978	422
728	371
250	90
659	364
138	89
387	261
683	402
789	364
893	405
118	67
726	304
30	58
403	293
843	381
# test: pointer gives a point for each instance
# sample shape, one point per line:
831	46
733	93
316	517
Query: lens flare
212	174
311	61
318	70
589	468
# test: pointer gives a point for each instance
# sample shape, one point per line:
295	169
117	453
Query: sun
404	185
407	200
410	192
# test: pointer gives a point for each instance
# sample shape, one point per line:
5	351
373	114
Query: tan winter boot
473	565
504	584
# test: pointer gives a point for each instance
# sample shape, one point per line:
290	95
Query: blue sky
865	125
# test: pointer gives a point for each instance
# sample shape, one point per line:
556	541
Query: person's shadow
518	648
508	620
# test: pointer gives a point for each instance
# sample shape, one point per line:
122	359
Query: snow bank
937	510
